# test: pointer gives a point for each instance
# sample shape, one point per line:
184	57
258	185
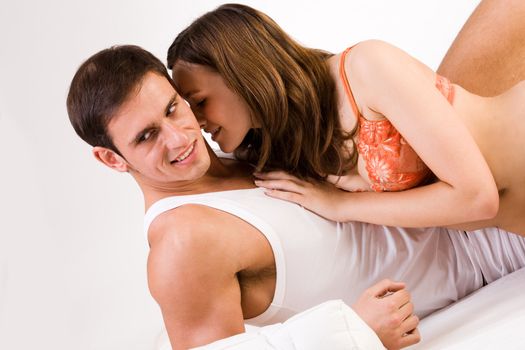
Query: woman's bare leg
488	55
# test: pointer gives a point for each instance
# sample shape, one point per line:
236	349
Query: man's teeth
185	154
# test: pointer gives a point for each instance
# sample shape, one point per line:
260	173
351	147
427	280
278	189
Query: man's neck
222	175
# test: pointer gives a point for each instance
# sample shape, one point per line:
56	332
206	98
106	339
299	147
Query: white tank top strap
224	201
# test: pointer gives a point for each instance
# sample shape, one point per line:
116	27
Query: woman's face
220	111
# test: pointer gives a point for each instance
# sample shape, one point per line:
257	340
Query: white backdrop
72	251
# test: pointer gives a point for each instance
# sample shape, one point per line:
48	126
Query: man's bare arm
192	275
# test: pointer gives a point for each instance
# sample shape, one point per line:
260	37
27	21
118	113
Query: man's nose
174	136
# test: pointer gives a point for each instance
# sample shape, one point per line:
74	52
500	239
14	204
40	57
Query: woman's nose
201	120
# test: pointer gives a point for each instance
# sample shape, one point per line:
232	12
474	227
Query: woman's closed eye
200	103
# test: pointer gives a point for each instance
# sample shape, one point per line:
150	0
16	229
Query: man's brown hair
102	84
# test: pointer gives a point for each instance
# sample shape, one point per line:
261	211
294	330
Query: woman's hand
387	309
351	183
322	198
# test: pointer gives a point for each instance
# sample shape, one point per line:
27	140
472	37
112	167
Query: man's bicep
200	299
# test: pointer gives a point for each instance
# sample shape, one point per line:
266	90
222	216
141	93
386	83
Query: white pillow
331	325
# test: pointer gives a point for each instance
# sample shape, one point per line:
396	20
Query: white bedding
491	318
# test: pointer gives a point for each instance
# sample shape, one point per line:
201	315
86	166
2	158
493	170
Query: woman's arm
388	82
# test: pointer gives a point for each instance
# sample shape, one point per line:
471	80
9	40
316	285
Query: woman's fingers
281	185
284	195
275	175
333	179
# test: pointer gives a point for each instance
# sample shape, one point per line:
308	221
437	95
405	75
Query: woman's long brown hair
287	86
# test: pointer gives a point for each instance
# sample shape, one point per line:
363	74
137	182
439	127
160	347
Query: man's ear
110	158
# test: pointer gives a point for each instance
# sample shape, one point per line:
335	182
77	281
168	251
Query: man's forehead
142	108
152	92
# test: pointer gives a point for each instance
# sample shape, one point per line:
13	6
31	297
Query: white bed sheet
491	318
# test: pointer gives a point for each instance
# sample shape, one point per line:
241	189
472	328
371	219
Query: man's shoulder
187	238
188	220
193	241
198	230
187	251
202	227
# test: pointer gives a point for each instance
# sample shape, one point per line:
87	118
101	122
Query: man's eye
171	109
146	136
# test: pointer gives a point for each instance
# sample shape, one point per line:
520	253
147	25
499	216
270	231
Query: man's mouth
185	154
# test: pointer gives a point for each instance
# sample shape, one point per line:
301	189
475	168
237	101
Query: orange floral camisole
391	163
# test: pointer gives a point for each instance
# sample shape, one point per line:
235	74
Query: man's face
158	135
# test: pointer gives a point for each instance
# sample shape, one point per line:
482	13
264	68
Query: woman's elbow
486	203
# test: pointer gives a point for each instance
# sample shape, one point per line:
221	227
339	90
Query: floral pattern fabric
388	156
391	163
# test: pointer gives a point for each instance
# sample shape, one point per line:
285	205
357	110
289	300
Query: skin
209	275
214	104
386	295
464	176
477	167
186	302
487	56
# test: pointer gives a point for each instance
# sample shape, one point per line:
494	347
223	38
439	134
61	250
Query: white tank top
318	260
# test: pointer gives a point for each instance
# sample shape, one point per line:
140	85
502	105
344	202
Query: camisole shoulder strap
346	84
443	84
